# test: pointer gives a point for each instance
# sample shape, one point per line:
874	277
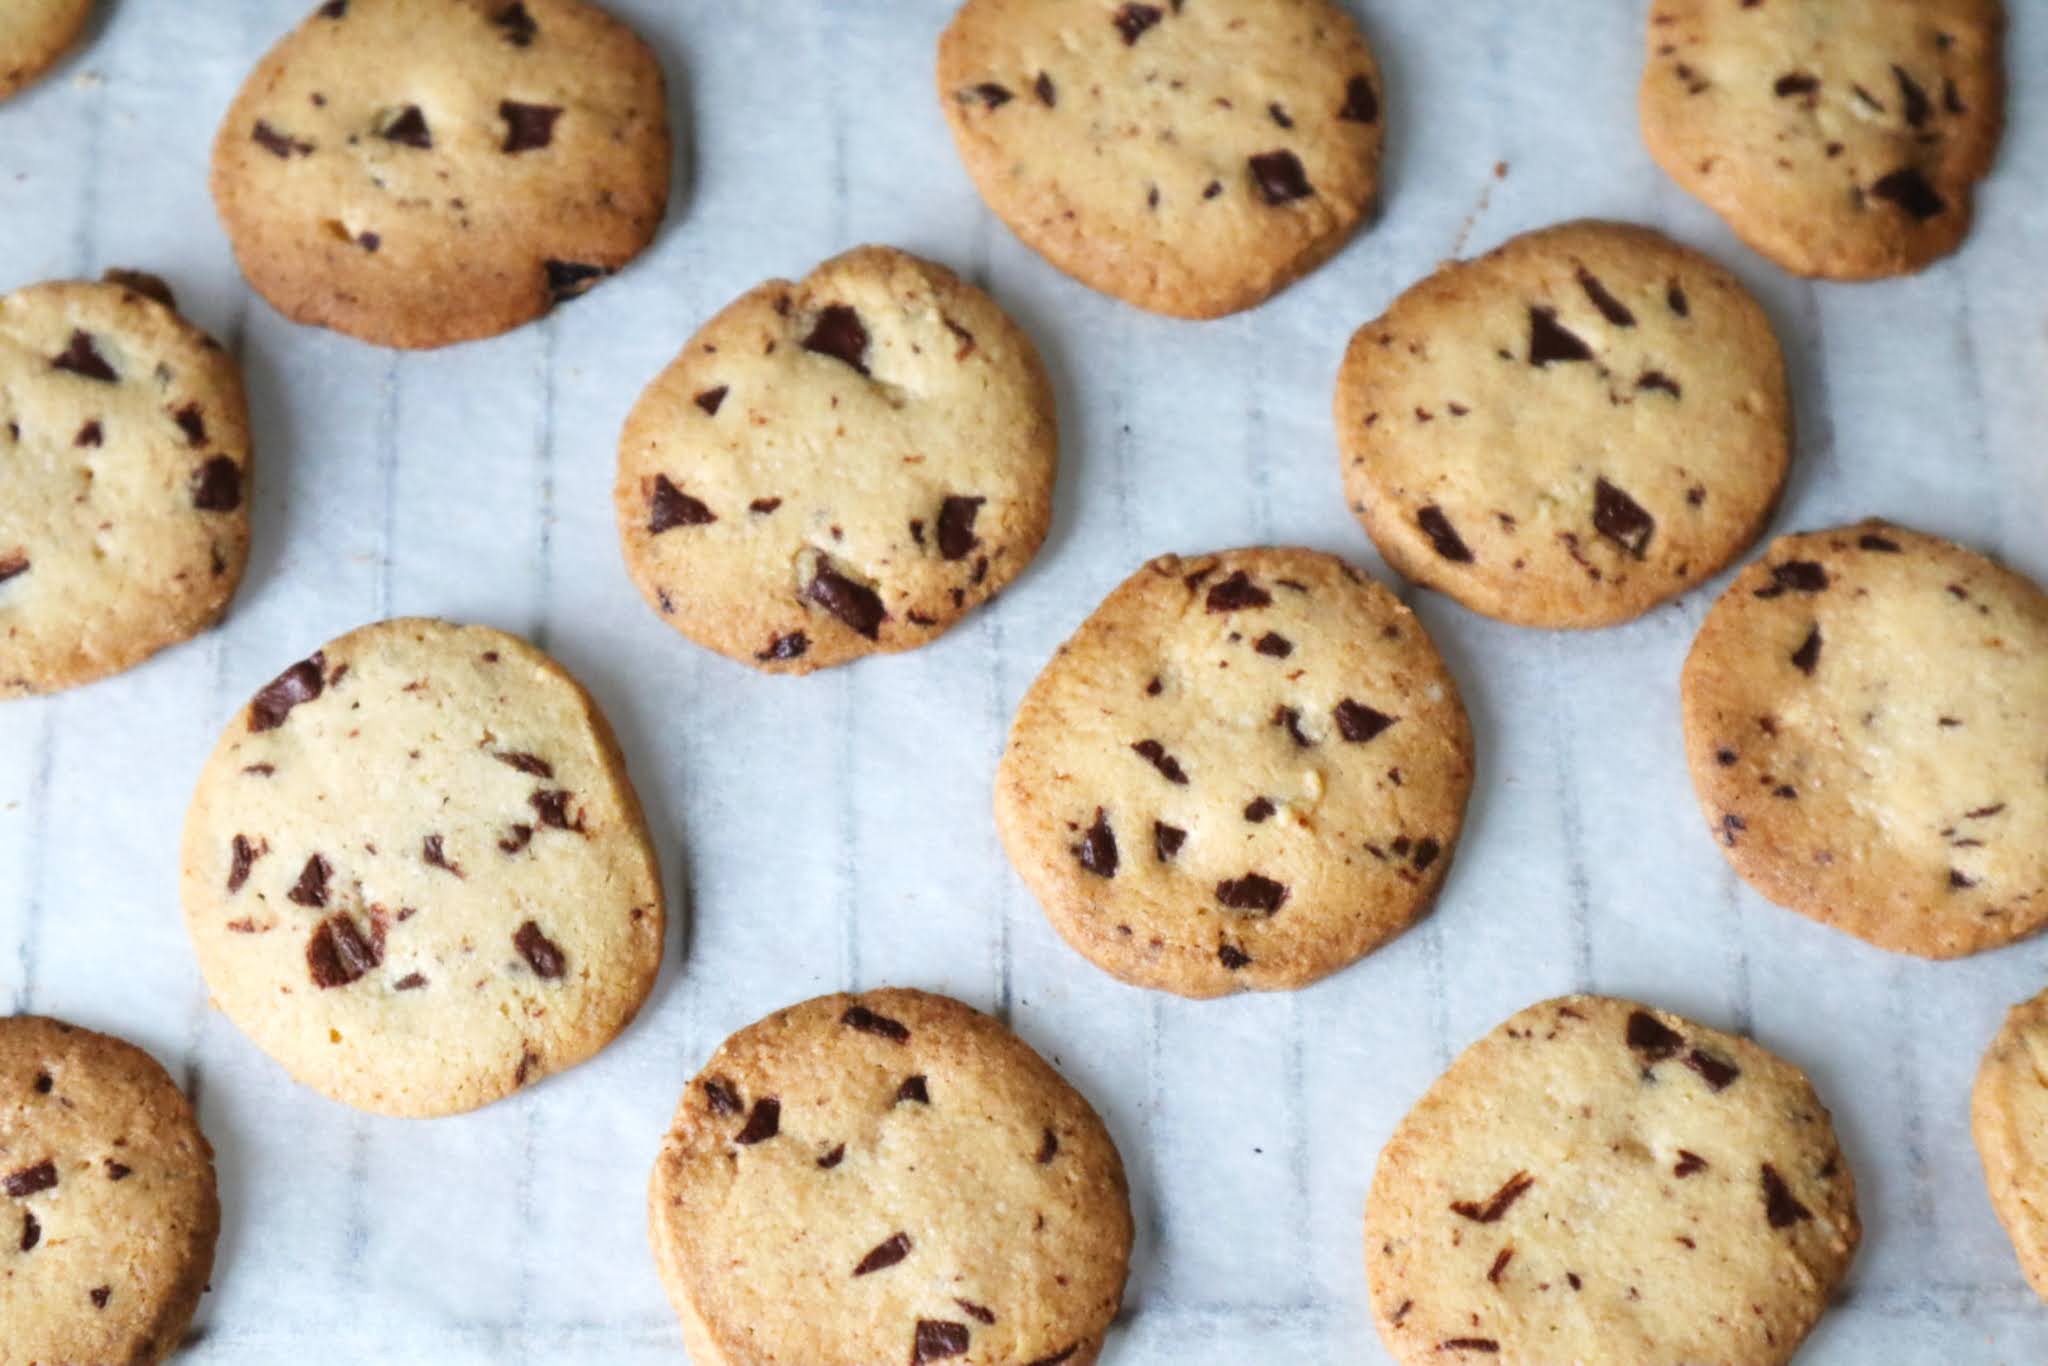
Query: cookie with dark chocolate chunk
1866	719
416	873
838	467
1568	430
1610	1184
1840	140
1243	772
889	1177
33	35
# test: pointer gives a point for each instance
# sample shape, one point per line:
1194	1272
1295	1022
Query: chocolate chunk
764	1121
1781	1207
278	144
29	1180
1550	342
1274	644
192	422
855	604
31	1231
337	954
519	27
1909	190
302	682
1212	189
1427	851
311	888
528	127
1657	379
1500	1264
1674	299
1959	881
913	1090
1097	849
1167	840
521	836
980	1313
1621	519
1238	593
1252	892
1258	810
1057	1358
244	854
82	358
1718	1075
1443	535
669	507
956	526
1048	1149
1651	1037
1232	957
833	1158
100	1295
1498	1204
12	565
117	1170
430	850
334	9
791	646
991	95
553	809
540	952
1731	826
1048	95
764	506
1688	1163
412	981
938	1338
868	1022
1280	177
1468	1345
217	485
1155	754
1917	108
1796	83
1807	656
568	279
1799	576
884	1255
1131	21
90	434
409	128
1280	116
840	334
1870	540
1289	720
525	763
1359	723
45	1083
1611	308
1361	103
720	1097
711	398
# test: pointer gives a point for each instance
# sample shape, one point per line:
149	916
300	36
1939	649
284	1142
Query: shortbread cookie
33	35
108	1208
1840	138
1568	430
2009	1117
838	467
416	874
1245	771
885	1178
1606	1184
124	480
1866	718
1191	159
420	174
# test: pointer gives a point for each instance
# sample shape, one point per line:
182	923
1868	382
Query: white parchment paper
834	831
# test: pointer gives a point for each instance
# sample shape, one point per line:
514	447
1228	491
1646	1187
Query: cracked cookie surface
420	174
124	472
416	873
1243	772
1567	430
883	1178
1866	720
1609	1184
840	466
1839	140
108	1205
33	35
2009	1119
1191	157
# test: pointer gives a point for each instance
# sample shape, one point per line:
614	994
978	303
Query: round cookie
1866	719
888	1177
33	35
2009	1118
1244	772
838	467
124	468
416	175
108	1207
416	874
1611	1185
1839	139
1191	159
1568	430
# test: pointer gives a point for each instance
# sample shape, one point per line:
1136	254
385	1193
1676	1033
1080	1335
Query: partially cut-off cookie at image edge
2009	1119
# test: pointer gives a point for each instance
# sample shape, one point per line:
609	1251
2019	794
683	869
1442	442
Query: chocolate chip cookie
2009	1117
416	874
416	175
1245	771
1612	1185
1568	430
108	1207
1191	159
884	1178
1866	718
1839	139
838	467
33	35
124	473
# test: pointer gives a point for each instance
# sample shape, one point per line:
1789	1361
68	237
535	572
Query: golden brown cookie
33	35
2009	1118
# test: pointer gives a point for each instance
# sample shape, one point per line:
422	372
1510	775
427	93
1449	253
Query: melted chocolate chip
302	682
1259	809
1167	840
1717	1074
856	605
884	1255
1688	1163
1427	851
1498	1204
1232	957
528	127
409	128
520	30
1487	1345
1807	657
1047	94
840	334
1443	535
956	526
764	1121
568	279
1155	754
1909	191
117	1170
936	1339
553	808
1048	1149
31	1230
12	565
1132	21
1611	308
525	763
1280	115
244	855
711	398
977	1312
278	144
1917	107
1781	1207
991	95
90	434
1252	892
1658	380
868	1022
1057	1358
521	836
311	888
82	358
1289	720
337	954
100	1295
1799	576
833	1158
412	981
1274	644
192	422
1651	1037
1361	104
1885	545
669	507
540	952
30	1180
1621	519
720	1097
217	485
1238	593
1280	177
1550	342
791	646
913	1091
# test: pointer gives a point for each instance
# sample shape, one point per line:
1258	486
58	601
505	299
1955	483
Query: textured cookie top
1866	718
420	172
2009	1117
1190	157
1567	430
1602	1183
1244	771
838	467
33	35
108	1210
416	874
883	1178
124	456
1838	139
